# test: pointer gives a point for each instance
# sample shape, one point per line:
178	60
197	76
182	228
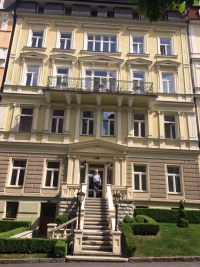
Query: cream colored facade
168	135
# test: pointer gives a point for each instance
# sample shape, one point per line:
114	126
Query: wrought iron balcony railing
109	85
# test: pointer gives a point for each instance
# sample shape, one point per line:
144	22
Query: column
15	121
192	126
78	112
98	124
119	126
3	112
22	74
70	169
46	124
123	172
150	128
117	172
76	178
181	125
35	121
161	128
67	124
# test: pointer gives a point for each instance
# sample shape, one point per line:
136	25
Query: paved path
104	264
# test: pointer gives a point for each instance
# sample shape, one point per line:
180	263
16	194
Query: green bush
61	248
128	238
144	219
145	228
60	219
27	245
139	219
168	216
182	222
128	219
13	232
6	225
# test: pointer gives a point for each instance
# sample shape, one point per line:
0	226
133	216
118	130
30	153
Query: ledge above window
137	55
98	53
34	48
64	50
166	56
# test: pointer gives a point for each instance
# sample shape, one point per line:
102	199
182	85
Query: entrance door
48	212
91	192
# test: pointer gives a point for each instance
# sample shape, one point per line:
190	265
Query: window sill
108	135
175	194
140	191
92	135
101	52
50	188
16	187
166	56
138	55
64	50
35	48
9	218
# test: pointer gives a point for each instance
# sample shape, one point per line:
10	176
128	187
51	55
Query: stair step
98	258
97	243
97	216
96	219
96	253
101	223
97	238
97	248
96	232
92	211
95	227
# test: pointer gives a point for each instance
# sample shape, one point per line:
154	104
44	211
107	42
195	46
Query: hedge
61	247
60	219
168	216
128	238
6	225
145	226
13	232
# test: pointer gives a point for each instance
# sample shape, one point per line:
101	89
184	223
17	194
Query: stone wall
68	206
125	208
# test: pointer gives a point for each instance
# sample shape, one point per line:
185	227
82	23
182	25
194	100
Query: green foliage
144	219
182	222
60	219
145	228
61	248
128	219
27	245
13	232
139	219
9	225
128	238
168	216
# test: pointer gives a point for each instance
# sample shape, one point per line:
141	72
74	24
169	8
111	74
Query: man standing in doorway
96	181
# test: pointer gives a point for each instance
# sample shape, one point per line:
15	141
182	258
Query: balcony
109	85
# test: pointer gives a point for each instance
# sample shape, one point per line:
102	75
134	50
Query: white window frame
30	35
64	31
174	175
173	124
25	115
24	71
57	121
109	120
140	178
139	124
52	172
165	46
172	41
173	82
144	36
100	33
32	75
88	119
18	172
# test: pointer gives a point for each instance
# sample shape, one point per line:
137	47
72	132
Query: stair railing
61	231
110	207
84	190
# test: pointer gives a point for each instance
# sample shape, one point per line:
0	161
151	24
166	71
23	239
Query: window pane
136	129
68	45
91	124
55	179
137	75
173	170
170	183
171	87
97	46
139	117
84	126
63	35
100	73
141	49
173	129
90	46
135	48
38	34
28	79
165	87
62	44
48	178
21	177
142	129
19	163
105	127
97	38
62	71
169	118
58	112
178	185
167	130
88	114
144	187
113	47
53	165
90	37
139	168
12	209
40	42
136	182
105	47
112	128
60	126
13	177
167	42
53	125
34	40
27	111
25	124
113	39
108	115
168	50
35	78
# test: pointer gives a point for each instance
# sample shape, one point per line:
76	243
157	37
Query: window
165	47
32	76
12	209
18	172
65	41
168	83
100	80
102	43
108	123
62	77
57	121
26	117
138	44
174	185
37	39
140	183
87	123
52	174
170	127
138	81
139	125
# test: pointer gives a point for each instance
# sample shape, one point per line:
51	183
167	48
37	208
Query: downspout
10	46
193	86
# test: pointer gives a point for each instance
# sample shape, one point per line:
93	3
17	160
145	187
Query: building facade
96	86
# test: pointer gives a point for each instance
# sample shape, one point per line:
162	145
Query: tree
154	9
182	222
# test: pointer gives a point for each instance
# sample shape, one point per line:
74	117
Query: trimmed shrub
60	219
128	238
9	225
13	232
61	248
145	228
144	219
128	219
168	216
182	222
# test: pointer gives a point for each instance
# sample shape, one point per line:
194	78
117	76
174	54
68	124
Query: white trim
52	172
88	120
18	173
140	178
57	117
142	35
30	34
173	181
174	81
172	43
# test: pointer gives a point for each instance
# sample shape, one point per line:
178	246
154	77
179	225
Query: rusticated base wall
125	208
68	206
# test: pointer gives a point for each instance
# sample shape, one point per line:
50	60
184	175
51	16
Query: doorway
48	212
90	190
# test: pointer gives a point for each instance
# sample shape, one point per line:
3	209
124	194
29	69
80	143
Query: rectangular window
65	41
165	47
108	123
87	123
52	174
32	76
102	43
138	81
138	45
99	80
168	83
18	172
26	117
170	127
62	77
12	209
37	39
140	178
174	184
57	121
139	125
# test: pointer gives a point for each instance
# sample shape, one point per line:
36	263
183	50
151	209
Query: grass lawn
170	241
26	256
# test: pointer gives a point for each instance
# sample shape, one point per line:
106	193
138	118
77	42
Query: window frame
165	46
173	82
11	202
32	75
139	125
25	115
144	36
172	44
174	180
52	169
88	119
58	37
140	178
12	167
109	120
30	35
173	123
57	121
